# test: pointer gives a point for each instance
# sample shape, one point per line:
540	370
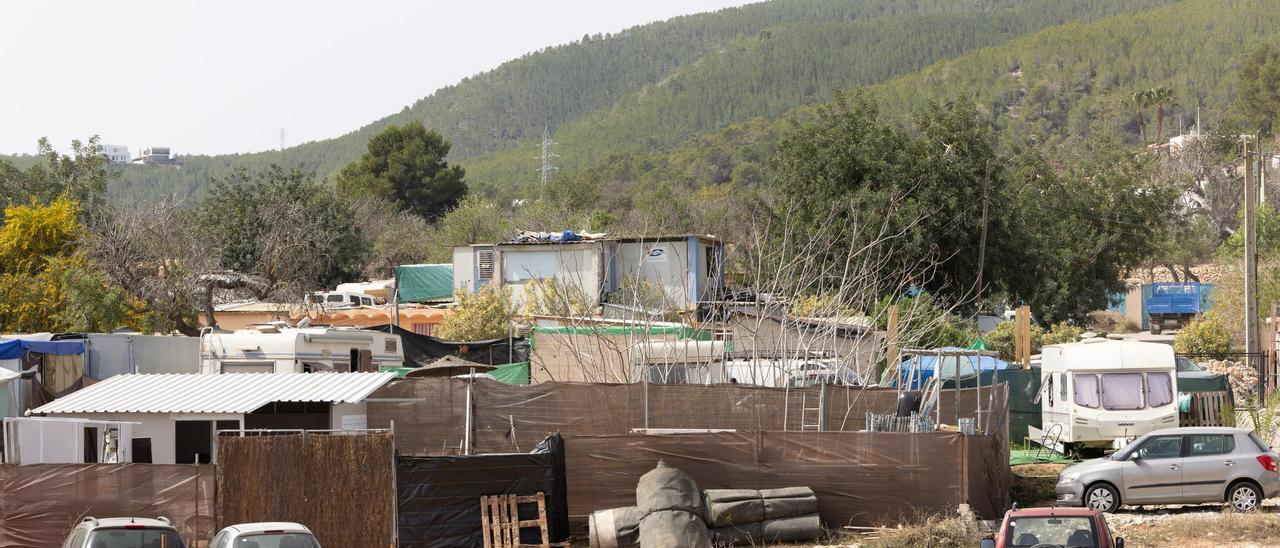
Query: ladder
811	418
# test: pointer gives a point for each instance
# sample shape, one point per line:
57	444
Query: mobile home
277	348
1103	393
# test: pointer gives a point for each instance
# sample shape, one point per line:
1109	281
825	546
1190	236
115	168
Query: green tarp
684	331
1198	383
420	283
512	373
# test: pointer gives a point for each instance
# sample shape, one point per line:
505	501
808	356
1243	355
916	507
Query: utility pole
282	147
982	241
1251	266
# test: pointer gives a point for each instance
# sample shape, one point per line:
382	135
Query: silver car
123	533
1176	466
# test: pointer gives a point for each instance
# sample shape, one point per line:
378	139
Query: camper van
1103	393
278	348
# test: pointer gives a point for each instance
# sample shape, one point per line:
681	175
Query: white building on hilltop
117	154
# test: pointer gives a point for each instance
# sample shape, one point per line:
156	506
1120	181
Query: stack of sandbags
671	510
748	516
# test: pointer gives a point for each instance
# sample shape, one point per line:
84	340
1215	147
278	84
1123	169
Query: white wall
662	263
157	426
578	265
464	268
354	413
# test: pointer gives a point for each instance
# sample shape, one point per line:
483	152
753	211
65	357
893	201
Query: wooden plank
514	523
542	519
485	521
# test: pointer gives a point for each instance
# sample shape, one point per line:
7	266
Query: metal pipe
466	436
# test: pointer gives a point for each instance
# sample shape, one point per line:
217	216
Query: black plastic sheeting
439	497
420	350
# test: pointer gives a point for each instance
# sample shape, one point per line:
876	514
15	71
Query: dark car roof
1042	512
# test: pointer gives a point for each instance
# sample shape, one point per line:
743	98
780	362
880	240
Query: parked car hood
1091	465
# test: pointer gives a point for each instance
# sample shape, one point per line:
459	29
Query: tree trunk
1159	123
1142	128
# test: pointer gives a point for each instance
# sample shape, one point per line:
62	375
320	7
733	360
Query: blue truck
1172	305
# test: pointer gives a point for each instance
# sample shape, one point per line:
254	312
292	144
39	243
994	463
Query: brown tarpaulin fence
430	414
340	486
40	503
861	478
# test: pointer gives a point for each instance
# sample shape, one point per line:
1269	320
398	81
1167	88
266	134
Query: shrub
1206	334
479	316
1001	340
1105	321
1062	333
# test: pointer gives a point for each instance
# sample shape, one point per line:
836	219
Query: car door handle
1173	467
1229	463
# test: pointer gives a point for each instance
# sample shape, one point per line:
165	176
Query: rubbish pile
671	511
1243	379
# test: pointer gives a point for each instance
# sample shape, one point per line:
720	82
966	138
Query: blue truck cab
1172	305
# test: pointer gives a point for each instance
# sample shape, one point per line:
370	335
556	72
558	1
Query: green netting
1029	456
512	373
399	371
425	282
683	331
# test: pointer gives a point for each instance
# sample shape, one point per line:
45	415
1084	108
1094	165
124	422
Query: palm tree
1160	97
1140	101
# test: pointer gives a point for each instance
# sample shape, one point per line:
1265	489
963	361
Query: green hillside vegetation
660	84
769	73
1053	88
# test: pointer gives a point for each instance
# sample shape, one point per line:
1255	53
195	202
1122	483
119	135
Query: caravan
278	348
1102	393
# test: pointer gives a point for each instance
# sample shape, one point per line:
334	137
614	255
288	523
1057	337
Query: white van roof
1102	354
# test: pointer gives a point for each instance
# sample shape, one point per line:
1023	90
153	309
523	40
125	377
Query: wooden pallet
500	518
1206	409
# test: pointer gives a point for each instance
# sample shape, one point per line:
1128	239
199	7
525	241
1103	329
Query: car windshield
135	538
276	540
1186	365
1067	532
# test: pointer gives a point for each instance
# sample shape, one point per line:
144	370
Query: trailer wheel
1155	327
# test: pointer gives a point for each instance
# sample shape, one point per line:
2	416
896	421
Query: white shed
175	416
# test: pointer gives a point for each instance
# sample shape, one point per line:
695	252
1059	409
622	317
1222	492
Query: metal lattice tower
547	169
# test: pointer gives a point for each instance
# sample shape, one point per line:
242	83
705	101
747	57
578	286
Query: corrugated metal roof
225	393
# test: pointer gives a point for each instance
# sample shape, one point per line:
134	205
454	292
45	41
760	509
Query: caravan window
1159	389
1122	391
1062	387
335	298
1087	391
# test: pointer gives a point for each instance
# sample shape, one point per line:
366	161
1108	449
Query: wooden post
1022	336
891	343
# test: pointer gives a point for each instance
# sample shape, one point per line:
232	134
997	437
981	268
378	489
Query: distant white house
681	270
155	156
117	154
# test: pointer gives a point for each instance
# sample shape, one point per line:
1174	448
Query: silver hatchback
1177	466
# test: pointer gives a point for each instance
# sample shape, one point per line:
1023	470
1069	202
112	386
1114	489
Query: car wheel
1101	497
1243	496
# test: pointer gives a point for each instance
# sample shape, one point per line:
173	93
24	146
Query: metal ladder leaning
1054	432
811	413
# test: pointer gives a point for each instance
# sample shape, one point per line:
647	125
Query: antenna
547	169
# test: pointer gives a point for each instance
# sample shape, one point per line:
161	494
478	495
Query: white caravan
278	348
1103	393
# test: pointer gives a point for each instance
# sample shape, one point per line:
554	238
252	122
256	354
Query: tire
1101	497
1155	327
1244	496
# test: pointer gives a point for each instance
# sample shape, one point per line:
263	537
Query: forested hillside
1064	83
656	86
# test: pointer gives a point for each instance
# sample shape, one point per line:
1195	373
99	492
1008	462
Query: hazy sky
221	76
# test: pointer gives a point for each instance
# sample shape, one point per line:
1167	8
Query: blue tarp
13	349
920	368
